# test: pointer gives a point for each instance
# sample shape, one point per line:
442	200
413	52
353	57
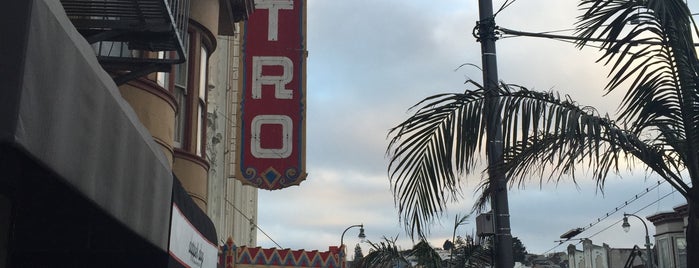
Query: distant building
595	256
670	247
670	238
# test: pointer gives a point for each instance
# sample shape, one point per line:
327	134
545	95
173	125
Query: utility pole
498	182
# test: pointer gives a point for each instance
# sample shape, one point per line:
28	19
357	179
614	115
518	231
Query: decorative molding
153	88
164	144
185	155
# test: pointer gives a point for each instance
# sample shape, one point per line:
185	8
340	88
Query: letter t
273	22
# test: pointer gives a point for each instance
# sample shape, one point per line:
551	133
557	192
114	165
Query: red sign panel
272	133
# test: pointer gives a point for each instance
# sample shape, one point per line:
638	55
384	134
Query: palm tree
386	254
458	221
425	255
474	256
647	43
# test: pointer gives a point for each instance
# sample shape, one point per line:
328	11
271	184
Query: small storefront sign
188	246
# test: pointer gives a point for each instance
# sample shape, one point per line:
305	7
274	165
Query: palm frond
566	136
649	45
428	153
460	220
545	136
483	193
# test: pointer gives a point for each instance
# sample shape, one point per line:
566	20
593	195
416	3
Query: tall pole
498	182
342	241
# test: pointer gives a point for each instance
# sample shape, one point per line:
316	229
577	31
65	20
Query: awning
60	107
192	234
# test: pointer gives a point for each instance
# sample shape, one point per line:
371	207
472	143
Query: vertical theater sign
271	137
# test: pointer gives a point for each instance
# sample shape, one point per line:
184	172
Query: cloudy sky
369	61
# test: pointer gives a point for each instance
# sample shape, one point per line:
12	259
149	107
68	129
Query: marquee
271	137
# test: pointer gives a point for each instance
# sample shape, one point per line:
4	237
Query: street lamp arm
342	238
641	219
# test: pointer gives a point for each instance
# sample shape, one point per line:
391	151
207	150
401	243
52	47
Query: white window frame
201	112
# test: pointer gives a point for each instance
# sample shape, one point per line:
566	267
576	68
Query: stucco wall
205	12
155	110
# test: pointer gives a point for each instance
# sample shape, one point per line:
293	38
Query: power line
616	209
626	203
505	5
617	221
253	223
639	210
574	38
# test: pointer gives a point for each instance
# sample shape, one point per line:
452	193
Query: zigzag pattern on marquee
231	255
288	257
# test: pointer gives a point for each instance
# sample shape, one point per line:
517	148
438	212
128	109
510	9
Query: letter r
279	82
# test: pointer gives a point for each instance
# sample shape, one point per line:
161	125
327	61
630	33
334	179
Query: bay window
189	89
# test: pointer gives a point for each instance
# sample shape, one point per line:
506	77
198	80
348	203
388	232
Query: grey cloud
369	62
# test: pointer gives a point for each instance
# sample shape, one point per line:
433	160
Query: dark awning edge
192	212
192	234
68	113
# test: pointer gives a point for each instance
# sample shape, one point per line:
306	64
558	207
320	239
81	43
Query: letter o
287	135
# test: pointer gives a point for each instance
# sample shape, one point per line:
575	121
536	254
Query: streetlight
626	226
361	236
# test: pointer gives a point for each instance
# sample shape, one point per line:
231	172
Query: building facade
180	108
232	205
109	168
84	182
191	111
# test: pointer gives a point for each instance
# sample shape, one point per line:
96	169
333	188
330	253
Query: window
162	78
189	85
663	253
681	247
201	112
180	93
